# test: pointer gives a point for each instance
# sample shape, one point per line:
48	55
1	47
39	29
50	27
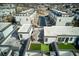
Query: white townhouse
64	34
25	31
64	21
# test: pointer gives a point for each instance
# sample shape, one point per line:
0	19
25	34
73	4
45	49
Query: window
46	40
23	14
19	14
26	19
71	39
20	36
1	36
59	39
66	39
59	20
63	39
67	24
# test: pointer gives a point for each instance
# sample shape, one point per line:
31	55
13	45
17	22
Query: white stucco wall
69	39
63	21
50	40
33	16
22	20
53	39
72	40
26	35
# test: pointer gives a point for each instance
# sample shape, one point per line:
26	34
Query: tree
13	20
75	20
76	44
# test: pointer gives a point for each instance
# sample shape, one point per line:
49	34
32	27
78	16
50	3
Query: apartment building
60	18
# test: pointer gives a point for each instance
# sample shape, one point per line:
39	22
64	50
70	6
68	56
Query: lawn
65	46
44	47
35	47
40	47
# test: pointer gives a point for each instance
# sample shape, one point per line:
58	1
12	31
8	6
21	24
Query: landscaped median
39	47
68	46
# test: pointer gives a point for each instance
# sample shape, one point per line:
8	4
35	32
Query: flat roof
4	25
59	11
63	21
61	30
24	28
26	11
